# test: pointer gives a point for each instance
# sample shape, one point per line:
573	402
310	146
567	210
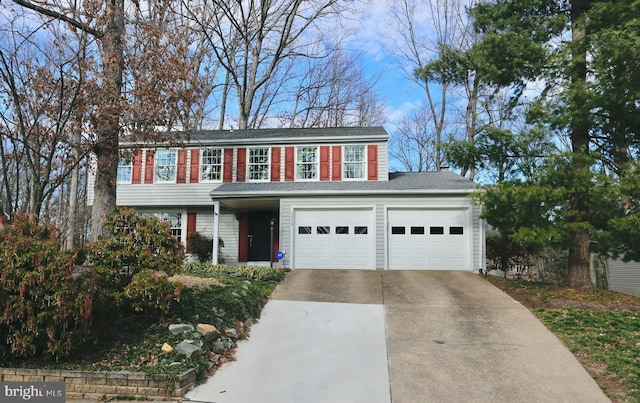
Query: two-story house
326	192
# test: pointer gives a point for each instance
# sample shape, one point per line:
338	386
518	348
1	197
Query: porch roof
399	183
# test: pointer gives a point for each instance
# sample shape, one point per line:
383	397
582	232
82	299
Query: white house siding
383	161
479	244
204	221
624	277
174	194
380	237
285	223
229	229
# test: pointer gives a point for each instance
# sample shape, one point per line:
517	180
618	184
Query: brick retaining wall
101	384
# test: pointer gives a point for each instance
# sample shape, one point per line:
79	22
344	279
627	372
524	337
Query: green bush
128	263
150	292
43	309
249	272
201	246
135	243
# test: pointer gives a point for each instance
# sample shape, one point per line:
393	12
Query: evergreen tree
581	59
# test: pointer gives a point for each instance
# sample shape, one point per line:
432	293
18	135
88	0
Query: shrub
150	292
43	309
249	272
128	261
136	242
201	246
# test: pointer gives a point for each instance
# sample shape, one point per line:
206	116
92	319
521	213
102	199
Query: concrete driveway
397	336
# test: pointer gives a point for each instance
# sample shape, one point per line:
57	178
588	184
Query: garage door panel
429	239
344	240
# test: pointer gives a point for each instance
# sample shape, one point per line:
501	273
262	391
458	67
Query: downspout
483	246
216	232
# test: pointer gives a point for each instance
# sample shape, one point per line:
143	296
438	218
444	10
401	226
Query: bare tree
415	145
164	81
42	87
106	23
251	40
334	91
418	42
150	92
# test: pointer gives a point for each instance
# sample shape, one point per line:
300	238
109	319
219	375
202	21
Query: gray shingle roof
273	136
398	183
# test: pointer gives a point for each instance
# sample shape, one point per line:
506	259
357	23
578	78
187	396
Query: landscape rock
231	332
218	347
186	348
209	332
177	328
167	349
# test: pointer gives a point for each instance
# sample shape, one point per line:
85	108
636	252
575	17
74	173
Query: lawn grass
605	339
600	327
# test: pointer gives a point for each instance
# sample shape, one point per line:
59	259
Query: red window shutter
241	165
148	166
191	229
194	174
336	175
181	176
372	156
227	175
136	174
243	233
325	164
289	164
275	164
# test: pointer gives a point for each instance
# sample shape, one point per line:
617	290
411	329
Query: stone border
103	384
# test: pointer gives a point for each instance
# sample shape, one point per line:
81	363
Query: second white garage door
429	239
333	239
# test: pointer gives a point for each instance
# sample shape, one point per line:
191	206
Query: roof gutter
317	193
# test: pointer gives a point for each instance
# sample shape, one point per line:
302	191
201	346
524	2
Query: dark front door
259	235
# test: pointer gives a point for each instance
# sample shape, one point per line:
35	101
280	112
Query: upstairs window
307	163
258	164
125	167
166	165
211	165
354	162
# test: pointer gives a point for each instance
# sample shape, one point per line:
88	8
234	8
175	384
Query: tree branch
54	14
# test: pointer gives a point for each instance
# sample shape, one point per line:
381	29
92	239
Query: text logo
42	392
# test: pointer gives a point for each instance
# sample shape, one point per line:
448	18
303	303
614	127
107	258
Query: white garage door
333	239
429	239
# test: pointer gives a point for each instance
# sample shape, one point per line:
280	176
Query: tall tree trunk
72	211
108	126
579	274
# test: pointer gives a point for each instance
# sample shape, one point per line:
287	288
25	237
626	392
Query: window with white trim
307	163
211	165
125	168
166	165
173	219
258	164
175	223
354	163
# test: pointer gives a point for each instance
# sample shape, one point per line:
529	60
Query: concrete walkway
401	337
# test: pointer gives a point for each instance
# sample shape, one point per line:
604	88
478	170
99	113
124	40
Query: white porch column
216	232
